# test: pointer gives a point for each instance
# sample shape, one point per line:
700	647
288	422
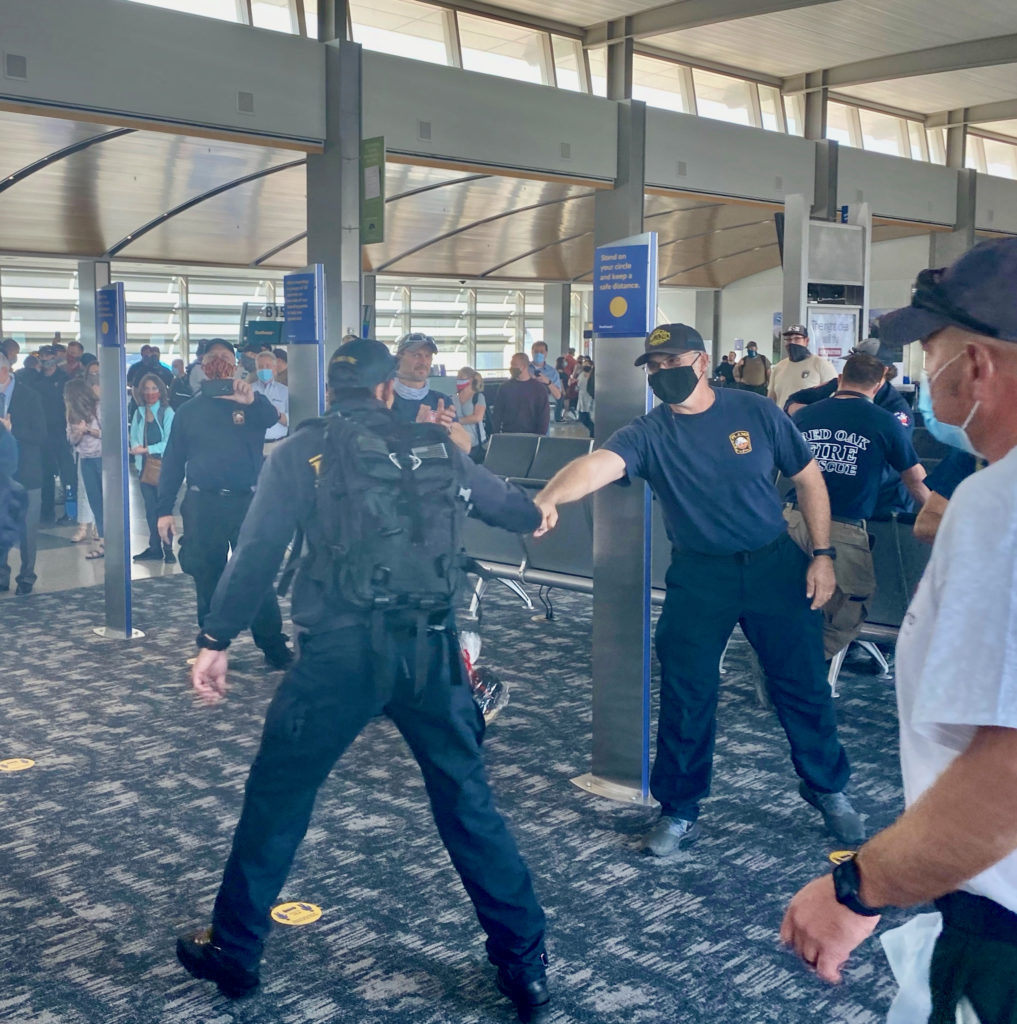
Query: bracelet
829	552
204	641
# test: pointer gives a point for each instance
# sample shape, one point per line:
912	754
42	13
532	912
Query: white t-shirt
957	649
787	376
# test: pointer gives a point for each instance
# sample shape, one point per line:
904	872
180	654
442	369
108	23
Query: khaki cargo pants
844	614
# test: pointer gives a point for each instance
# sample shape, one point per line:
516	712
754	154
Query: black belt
860	523
979	916
735	556
221	493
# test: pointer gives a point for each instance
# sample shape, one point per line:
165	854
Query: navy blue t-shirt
407	409
713	471
853	441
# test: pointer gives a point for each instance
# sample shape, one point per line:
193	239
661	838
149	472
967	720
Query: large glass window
224	10
1000	158
839	124
498	48
279	15
568	56
722	97
770	108
917	141
883	133
400	27
657	83
937	144
794	114
39	304
598	70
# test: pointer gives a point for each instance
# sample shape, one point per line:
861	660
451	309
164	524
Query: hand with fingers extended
822	931
820	581
243	393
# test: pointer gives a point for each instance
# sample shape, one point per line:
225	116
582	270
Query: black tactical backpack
384	537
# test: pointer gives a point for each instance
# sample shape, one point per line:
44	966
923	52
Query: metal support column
370	315
708	321
92	275
945	247
557	318
796	260
620	54
815	105
620	766
956	138
333	193
824	203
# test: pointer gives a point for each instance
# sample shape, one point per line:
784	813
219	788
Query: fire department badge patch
740	442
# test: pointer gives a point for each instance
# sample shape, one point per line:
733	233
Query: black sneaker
839	816
23	589
149	555
278	655
531	998
167	554
204	960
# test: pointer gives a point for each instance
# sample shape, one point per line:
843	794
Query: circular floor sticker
16	764
296	913
840	856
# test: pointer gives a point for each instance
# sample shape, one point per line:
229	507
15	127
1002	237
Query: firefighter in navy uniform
355	663
218	440
893	493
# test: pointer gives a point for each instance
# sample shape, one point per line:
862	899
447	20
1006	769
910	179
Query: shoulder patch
902	418
315	464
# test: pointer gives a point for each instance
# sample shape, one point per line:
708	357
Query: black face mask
675	385
796	353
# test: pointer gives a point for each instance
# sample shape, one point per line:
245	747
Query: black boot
204	960
531	998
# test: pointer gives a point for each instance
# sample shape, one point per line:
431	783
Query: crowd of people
377	493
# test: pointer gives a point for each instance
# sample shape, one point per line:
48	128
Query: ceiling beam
976	53
683	14
1002	110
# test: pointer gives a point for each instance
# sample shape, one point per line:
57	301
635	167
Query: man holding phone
217	442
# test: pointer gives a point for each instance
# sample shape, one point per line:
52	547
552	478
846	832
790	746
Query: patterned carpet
116	840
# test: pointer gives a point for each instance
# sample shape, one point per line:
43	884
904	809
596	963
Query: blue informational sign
305	306
625	287
110	315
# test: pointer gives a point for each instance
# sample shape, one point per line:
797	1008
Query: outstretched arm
575	481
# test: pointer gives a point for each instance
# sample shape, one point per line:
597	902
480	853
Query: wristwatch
829	552
846	883
203	640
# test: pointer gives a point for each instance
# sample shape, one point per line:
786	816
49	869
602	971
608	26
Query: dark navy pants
324	701
764	592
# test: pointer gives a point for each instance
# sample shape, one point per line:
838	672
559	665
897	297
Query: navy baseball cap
978	293
361	363
416	340
673	339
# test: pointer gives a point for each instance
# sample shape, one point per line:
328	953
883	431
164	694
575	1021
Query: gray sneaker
839	816
669	835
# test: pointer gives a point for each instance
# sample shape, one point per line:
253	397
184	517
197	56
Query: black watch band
846	883
206	642
829	552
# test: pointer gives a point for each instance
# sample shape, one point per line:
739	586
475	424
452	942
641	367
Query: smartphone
217	388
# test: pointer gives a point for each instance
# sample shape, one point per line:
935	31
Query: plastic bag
490	693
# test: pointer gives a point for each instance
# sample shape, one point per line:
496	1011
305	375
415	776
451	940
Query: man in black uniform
218	441
854	442
709	456
57	458
893	494
338	684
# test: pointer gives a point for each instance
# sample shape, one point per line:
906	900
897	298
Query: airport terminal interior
454	168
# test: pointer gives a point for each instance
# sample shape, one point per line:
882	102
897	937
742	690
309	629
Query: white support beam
976	53
683	14
1002	110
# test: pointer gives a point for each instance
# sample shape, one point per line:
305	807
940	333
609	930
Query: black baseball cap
673	339
361	363
796	329
978	293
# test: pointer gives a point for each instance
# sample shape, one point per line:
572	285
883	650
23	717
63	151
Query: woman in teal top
149	432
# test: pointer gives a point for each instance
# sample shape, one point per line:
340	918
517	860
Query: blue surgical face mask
946	433
265	374
538	359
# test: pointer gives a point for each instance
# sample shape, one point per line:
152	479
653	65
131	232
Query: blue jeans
764	592
323	703
91	477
